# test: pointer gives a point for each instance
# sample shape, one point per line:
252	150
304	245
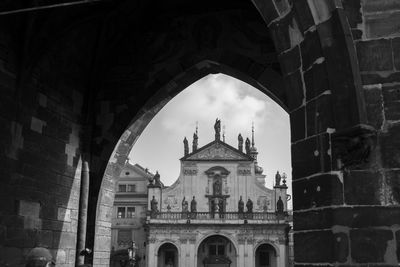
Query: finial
197	128
252	134
223	133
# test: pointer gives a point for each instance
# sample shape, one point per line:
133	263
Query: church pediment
217	151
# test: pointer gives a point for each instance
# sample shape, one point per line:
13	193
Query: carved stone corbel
352	148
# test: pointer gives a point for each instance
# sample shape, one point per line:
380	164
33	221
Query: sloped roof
217	151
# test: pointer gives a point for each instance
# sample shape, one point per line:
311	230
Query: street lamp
284	178
132	254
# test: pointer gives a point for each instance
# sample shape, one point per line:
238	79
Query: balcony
217	218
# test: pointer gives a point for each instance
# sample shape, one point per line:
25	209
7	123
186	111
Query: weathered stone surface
377	78
316	80
280	33
267	9
352	217
320	246
311	156
369	245
303	14
396	52
382	24
290	60
363	187
294	90
319	115
338	55
318	191
398	245
374	106
310	49
352	8
390	147
392	181
375	55
391	98
298	124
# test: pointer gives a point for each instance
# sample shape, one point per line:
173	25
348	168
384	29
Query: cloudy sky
237	104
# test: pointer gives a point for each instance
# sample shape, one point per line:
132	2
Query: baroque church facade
218	212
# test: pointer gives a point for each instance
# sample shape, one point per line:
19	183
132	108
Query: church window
131	188
122	188
121	212
130	212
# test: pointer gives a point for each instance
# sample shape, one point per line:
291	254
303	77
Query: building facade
129	214
218	212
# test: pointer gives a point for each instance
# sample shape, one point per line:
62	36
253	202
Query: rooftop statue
186	146
277	179
240	141
247	146
217	128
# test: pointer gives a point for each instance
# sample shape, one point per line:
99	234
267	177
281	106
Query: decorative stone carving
152	240
244	172
216	152
353	148
190	171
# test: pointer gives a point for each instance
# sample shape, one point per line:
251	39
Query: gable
218	151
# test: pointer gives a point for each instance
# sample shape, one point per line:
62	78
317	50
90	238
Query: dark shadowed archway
74	79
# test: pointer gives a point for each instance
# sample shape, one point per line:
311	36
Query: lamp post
132	254
284	176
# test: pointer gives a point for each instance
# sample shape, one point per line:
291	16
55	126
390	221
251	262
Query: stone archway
266	256
167	255
216	251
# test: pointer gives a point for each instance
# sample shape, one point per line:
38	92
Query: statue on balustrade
241	205
279	205
193	205
185	205
154	205
277	179
249	206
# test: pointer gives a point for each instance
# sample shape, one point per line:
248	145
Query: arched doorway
167	256
216	251
266	256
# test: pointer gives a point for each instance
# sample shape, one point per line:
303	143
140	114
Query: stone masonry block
374	105
318	191
303	14
290	60
320	246
319	115
391	98
390	147
294	90
392	192
369	245
375	55
37	125
363	187
310	49
396	52
298	124
316	80
311	156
